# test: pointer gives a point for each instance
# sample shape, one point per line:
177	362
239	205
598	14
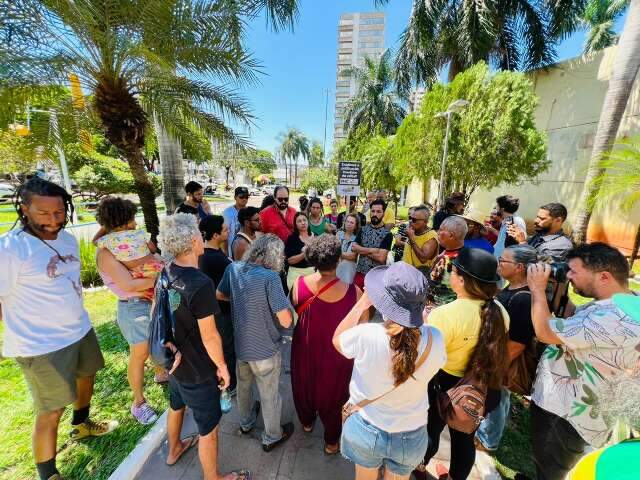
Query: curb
132	465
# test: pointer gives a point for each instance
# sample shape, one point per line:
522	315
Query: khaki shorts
51	377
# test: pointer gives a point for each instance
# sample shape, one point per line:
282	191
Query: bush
89	275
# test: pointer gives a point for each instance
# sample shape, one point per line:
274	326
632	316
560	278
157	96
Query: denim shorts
370	447
134	316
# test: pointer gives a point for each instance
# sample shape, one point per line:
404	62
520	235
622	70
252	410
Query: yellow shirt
410	257
388	217
459	322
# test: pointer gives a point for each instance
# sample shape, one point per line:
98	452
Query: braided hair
44	188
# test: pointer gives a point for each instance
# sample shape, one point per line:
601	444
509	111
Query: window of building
344	56
371	33
372	21
342	90
346	34
370	44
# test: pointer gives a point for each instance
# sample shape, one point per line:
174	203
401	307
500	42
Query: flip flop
193	441
241	474
307	428
331	451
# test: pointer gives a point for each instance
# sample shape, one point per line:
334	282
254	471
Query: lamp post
455	107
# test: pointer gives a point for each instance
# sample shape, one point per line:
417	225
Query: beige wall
571	95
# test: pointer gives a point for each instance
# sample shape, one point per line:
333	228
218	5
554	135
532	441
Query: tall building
415	98
359	35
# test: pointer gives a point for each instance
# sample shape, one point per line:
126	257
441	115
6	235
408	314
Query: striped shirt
256	296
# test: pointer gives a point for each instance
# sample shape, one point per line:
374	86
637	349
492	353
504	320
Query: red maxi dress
320	375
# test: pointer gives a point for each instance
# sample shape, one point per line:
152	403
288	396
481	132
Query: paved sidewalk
300	458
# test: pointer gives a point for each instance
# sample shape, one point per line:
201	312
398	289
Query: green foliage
107	175
317	178
89	275
293	145
376	105
492	142
379	170
262	161
17	153
620	175
599	19
316	154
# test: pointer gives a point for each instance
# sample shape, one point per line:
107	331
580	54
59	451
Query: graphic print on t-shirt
61	266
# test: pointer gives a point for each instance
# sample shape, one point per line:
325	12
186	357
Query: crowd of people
391	326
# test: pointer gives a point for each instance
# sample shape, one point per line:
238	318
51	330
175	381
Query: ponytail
488	362
404	344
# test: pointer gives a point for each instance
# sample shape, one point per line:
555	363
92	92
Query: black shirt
184	208
293	246
519	309
192	297
213	263
341	215
439	217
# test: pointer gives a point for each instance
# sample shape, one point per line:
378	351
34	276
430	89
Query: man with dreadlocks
47	330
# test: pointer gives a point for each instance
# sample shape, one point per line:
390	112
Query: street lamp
455	107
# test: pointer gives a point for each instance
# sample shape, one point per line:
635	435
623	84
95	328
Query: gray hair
456	226
268	251
524	254
177	233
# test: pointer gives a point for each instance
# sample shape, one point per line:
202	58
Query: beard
282	206
375	220
42	229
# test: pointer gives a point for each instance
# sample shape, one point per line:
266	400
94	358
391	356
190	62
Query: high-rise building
415	98
359	35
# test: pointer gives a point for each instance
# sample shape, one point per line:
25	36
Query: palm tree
375	104
510	34
598	18
141	59
623	76
294	144
316	155
620	179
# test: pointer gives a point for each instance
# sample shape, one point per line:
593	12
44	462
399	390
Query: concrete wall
571	96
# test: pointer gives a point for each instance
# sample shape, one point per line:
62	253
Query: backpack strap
300	310
421	360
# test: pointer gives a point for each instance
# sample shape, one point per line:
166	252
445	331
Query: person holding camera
507	205
549	239
586	350
516	298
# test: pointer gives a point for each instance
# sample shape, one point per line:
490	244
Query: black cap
241	191
478	263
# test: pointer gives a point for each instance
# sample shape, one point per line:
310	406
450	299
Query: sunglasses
282	199
414	219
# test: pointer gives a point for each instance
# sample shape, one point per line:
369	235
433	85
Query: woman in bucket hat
393	363
475	328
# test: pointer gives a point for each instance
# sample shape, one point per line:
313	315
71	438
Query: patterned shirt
440	292
598	344
126	244
370	237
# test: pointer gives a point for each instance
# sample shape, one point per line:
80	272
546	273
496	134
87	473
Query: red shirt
273	222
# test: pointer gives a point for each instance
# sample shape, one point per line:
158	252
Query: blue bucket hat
399	293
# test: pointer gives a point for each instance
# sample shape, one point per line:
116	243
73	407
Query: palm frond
279	14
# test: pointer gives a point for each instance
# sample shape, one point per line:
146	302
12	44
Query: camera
559	271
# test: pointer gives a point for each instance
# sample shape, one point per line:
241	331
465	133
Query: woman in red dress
319	374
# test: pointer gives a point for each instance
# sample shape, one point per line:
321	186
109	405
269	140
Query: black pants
224	325
463	450
557	446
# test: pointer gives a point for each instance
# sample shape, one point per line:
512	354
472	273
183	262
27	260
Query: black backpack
163	325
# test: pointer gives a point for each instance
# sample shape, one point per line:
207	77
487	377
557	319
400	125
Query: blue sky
300	66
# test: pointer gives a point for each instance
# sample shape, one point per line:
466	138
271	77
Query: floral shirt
126	244
598	344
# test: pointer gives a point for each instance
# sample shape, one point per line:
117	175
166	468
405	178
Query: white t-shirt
405	409
40	294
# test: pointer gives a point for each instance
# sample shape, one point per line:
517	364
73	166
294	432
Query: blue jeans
492	427
370	447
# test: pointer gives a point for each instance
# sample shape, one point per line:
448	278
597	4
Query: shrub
89	275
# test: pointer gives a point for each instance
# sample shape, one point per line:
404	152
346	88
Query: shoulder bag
521	371
350	408
300	309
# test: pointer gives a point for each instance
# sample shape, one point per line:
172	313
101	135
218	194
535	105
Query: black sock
47	469
80	416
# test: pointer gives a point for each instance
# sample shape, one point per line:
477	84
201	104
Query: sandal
420	472
307	428
241	474
329	450
193	440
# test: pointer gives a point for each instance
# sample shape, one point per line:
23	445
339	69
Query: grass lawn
89	459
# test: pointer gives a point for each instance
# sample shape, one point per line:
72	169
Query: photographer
549	239
585	351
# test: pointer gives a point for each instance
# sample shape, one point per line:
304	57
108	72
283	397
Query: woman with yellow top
421	246
475	328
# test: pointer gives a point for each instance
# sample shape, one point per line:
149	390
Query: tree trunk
295	175
636	247
172	165
147	196
625	70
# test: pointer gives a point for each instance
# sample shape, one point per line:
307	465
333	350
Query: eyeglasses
414	219
502	260
282	199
